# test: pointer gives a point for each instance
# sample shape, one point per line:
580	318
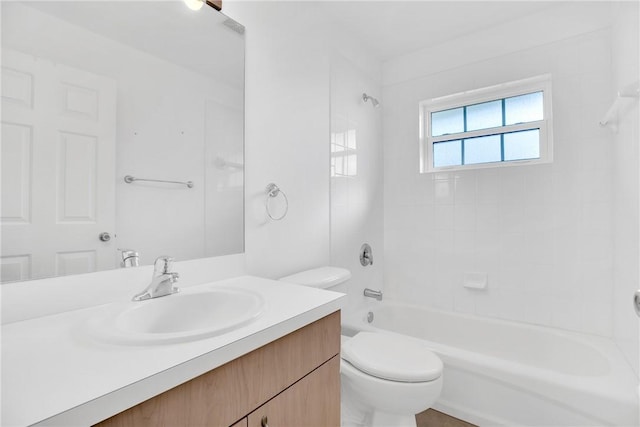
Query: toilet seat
392	357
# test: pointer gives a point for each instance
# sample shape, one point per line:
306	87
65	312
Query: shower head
374	101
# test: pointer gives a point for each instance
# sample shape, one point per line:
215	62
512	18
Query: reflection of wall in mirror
224	171
162	133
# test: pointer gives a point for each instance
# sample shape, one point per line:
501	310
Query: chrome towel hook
274	191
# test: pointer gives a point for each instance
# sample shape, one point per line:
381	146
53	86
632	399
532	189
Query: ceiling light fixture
194	4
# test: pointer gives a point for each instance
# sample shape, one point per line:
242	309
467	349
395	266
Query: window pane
523	108
336	166
448	153
522	145
336	143
485	115
484	149
351	138
447	121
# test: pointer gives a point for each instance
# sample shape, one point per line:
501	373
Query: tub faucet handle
366	255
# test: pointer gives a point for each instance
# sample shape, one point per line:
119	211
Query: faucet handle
163	265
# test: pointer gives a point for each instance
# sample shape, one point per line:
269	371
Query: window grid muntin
504	122
502	159
464	114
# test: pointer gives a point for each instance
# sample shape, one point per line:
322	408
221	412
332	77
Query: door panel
16	173
77	170
58	169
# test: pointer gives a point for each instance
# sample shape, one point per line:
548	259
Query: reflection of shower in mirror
221	163
373	100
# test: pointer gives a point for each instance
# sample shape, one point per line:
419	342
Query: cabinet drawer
314	401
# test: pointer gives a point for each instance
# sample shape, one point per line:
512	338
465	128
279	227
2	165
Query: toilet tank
332	278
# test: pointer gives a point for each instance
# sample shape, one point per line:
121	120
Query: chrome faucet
373	294
162	281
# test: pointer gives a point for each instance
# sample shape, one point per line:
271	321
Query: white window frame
505	90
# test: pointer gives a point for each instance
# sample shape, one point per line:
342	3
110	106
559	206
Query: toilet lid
392	357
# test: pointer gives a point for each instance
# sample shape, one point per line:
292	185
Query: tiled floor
432	418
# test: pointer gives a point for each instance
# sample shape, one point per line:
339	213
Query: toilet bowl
385	378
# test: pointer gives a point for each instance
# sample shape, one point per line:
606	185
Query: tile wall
542	233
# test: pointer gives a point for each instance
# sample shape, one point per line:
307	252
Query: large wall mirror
93	92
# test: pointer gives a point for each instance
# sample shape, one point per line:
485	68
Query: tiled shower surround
542	233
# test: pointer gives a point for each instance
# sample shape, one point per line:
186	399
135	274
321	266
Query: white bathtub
512	374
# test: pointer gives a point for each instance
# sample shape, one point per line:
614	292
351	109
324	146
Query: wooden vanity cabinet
294	381
242	423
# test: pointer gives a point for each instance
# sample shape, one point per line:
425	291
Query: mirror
93	92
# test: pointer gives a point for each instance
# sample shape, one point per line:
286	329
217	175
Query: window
501	125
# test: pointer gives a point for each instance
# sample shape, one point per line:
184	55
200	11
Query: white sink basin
184	316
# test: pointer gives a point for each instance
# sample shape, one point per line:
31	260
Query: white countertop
55	372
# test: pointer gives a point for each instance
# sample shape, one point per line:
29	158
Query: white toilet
386	378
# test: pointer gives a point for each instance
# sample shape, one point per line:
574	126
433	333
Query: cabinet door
314	401
241	423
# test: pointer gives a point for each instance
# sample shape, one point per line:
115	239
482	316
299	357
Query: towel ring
272	192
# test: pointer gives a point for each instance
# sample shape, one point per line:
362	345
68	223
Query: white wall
224	173
287	134
543	233
626	189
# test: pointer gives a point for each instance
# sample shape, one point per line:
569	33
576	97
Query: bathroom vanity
292	381
63	369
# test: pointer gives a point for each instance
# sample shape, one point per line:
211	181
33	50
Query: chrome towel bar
129	179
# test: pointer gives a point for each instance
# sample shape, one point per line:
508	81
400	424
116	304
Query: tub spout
373	294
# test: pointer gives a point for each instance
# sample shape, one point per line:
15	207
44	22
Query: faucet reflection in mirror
168	114
130	258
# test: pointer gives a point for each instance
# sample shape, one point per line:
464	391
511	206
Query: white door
58	169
